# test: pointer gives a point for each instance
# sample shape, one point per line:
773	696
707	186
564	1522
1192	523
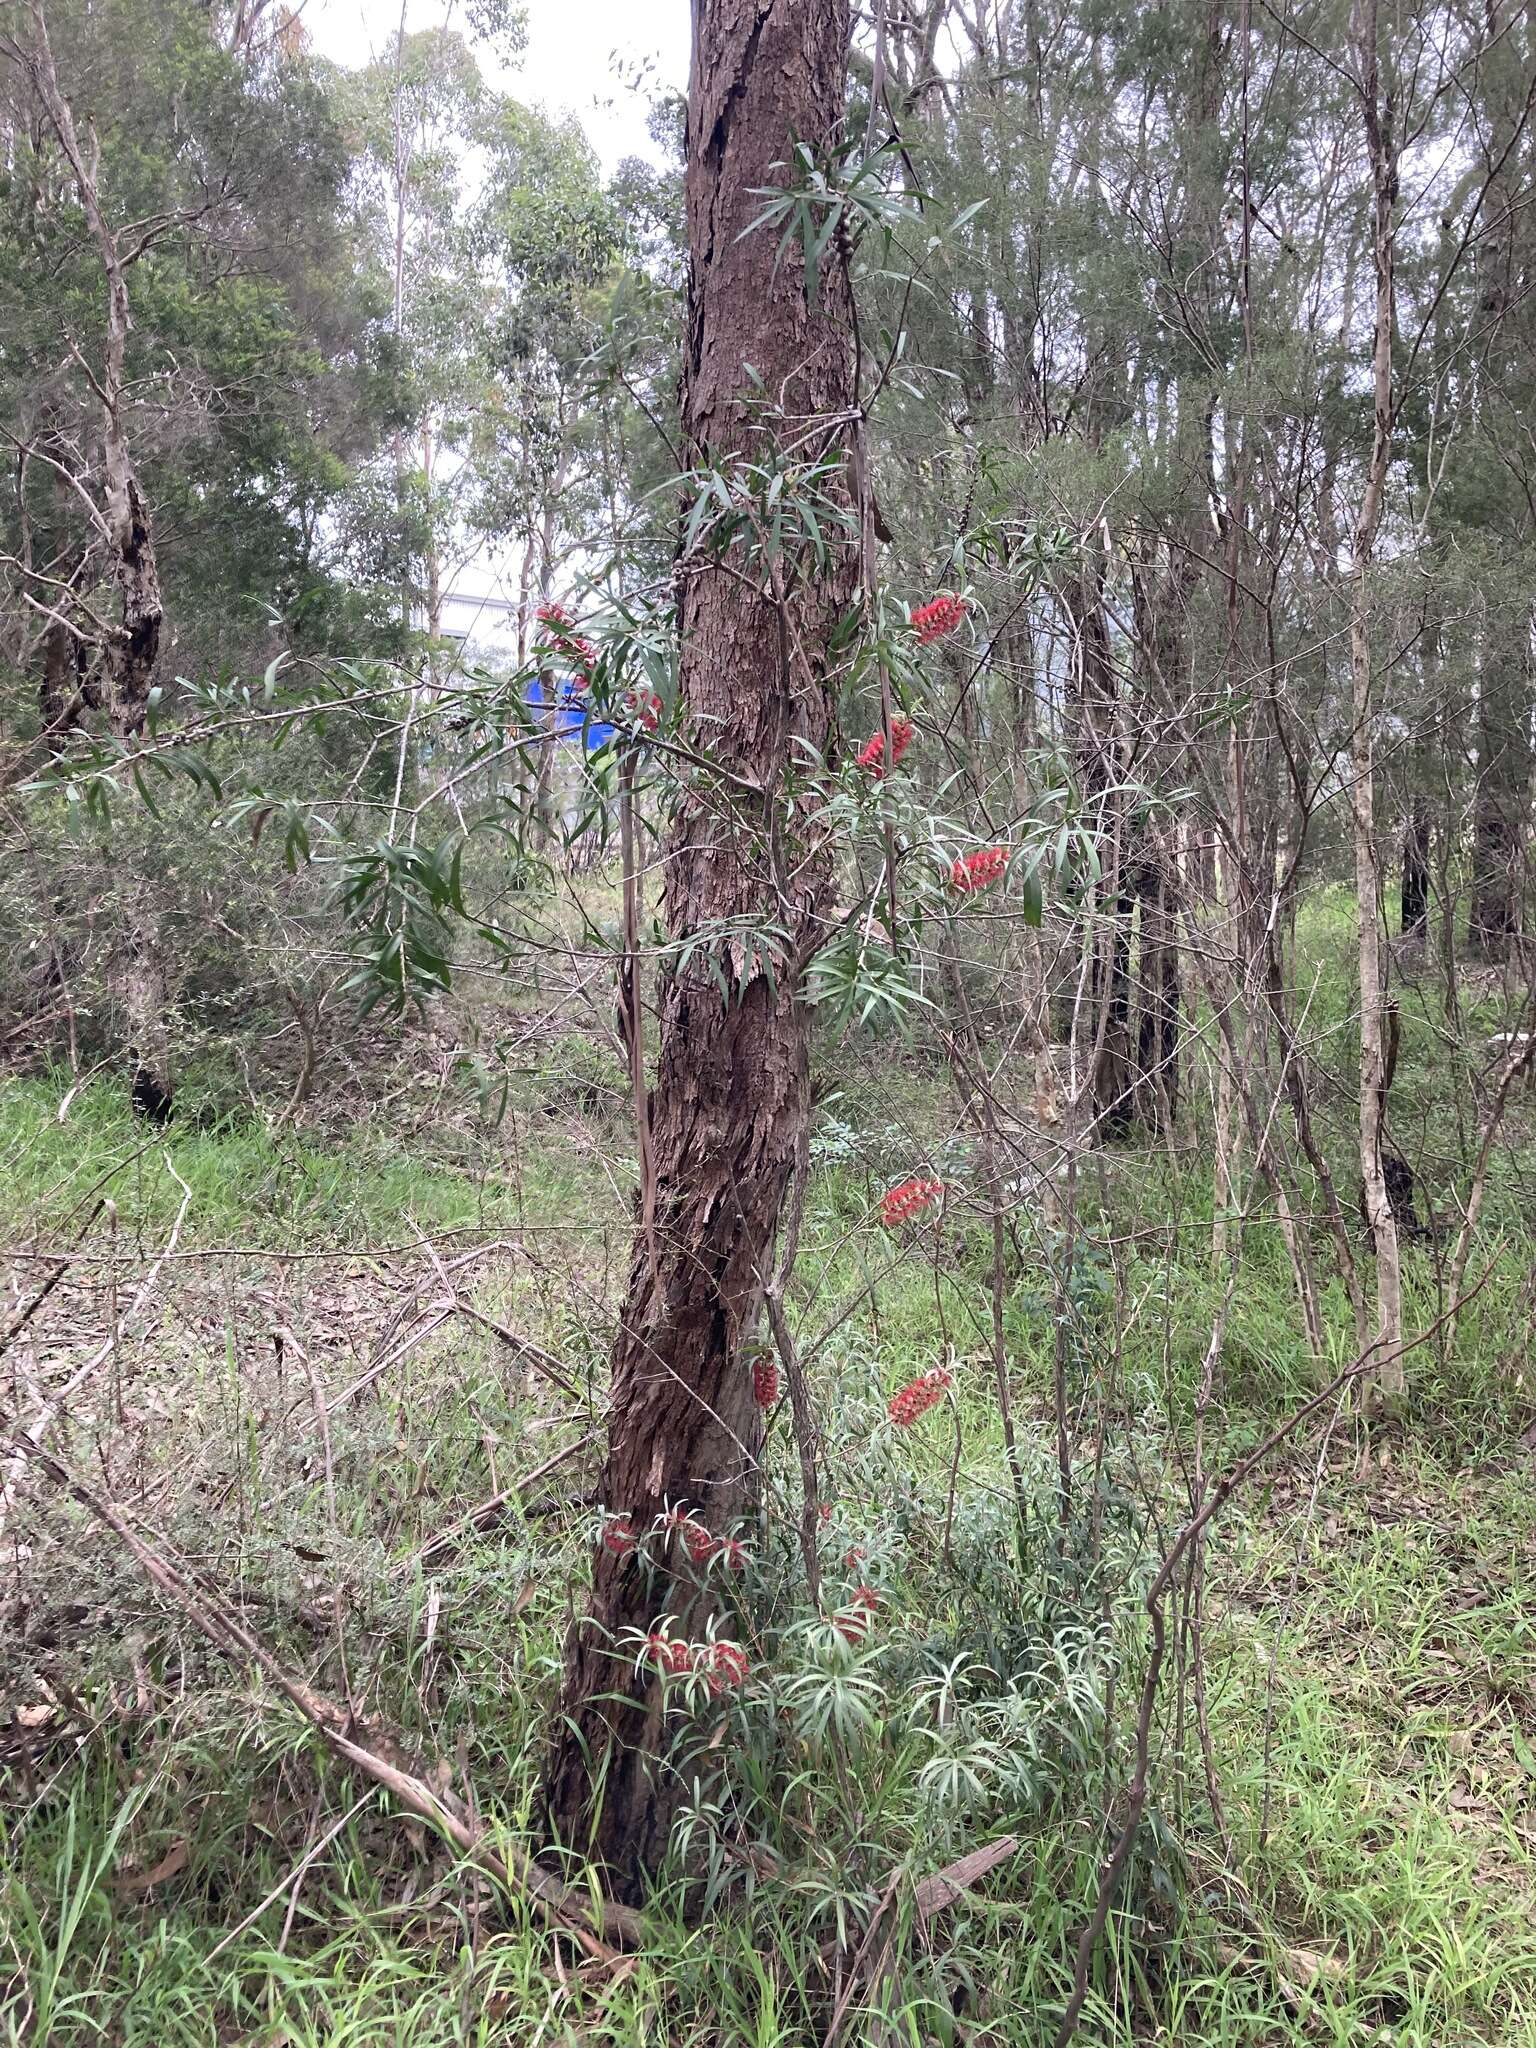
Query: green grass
1379	1638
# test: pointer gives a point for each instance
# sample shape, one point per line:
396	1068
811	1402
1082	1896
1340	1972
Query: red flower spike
734	1551
673	1659
899	1204
914	1400
645	706
724	1665
939	616
697	1541
871	754
765	1379
853	1621
618	1537
976	870
853	1557
567	642
823	1514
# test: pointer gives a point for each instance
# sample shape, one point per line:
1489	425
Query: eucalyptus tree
185	381
768	387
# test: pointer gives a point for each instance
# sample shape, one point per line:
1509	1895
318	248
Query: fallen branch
595	1927
535	1354
488	1510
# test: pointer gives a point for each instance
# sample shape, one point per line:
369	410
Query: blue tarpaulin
573	717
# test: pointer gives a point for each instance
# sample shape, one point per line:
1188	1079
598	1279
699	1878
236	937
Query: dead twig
594	1924
479	1517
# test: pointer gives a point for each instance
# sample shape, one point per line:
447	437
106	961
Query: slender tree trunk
732	1093
1158	1028
130	649
1381	147
1499	810
1416	846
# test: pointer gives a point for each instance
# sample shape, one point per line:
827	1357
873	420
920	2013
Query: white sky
578	56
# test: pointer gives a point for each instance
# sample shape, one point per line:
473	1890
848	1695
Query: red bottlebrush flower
872	754
619	1537
671	1657
853	1557
561	633
734	1551
645	706
914	1400
765	1379
823	1514
898	1204
853	1621
939	616
697	1541
724	1665
976	870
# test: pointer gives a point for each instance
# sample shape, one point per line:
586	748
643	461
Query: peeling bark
732	1093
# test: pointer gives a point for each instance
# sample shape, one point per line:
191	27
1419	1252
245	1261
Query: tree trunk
131	650
1158	1026
1498	816
1416	843
1381	145
732	1093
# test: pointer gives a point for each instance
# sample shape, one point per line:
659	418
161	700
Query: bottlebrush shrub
561	636
725	1666
722	1666
967	1701
900	1204
915	1399
871	756
852	1622
977	870
669	1654
939	616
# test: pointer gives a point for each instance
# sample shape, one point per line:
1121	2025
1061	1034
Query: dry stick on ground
535	1354
42	1420
1368	1361
28	1310
931	1895
290	1877
477	1518
594	1924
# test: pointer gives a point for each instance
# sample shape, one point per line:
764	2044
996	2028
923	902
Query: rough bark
1096	719
1158	1026
732	1092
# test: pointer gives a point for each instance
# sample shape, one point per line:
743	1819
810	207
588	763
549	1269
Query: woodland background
1099	1596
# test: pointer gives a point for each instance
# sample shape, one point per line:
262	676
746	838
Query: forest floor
322	1362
